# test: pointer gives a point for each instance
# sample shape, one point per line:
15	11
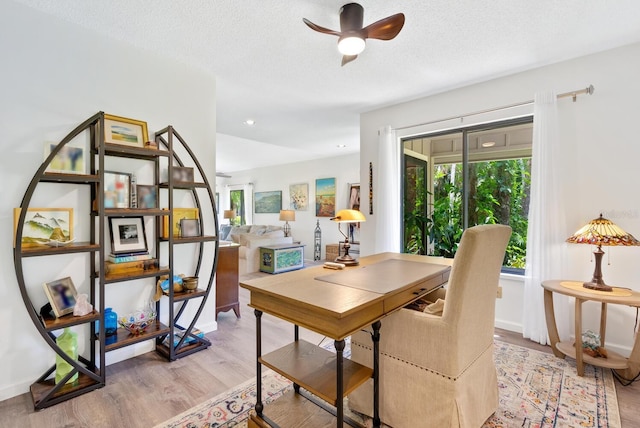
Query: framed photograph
299	196
182	174
325	197
354	196
146	196
48	226
127	235
267	202
189	227
62	295
69	160
117	189
126	132
182	213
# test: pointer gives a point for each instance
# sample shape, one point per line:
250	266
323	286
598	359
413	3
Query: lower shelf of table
314	369
613	360
39	390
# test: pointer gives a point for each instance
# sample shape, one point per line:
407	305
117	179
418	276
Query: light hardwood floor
147	390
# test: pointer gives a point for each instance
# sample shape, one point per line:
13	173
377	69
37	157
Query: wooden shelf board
185	185
314	369
45	250
51	324
123	338
128	276
136	152
183	351
192	239
613	361
40	389
184	295
55	177
133	212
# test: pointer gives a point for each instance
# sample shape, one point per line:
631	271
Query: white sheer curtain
248	202
545	234
386	193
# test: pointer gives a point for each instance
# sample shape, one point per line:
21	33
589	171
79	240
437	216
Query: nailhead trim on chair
420	367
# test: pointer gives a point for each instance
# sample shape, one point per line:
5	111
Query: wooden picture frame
124	131
180	214
117	189
62	295
189	227
40	226
182	174
127	235
325	197
146	196
70	159
267	202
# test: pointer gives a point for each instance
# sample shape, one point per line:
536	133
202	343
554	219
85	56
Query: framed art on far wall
325	197
267	202
299	196
354	196
125	132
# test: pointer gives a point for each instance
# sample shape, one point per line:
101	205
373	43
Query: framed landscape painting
123	131
48	226
69	160
325	197
267	202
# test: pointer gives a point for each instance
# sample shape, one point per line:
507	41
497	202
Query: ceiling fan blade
385	29
348	58
319	28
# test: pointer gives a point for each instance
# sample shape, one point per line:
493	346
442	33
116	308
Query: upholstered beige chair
438	370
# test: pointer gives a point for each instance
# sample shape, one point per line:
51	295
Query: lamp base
596	286
347	260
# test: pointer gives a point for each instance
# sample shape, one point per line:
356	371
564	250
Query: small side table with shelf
628	368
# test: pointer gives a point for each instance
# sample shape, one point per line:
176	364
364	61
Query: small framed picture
182	174
117	189
146	196
123	131
49	226
62	295
189	227
127	235
180	214
70	158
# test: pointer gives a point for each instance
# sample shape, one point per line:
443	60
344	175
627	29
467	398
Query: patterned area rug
536	390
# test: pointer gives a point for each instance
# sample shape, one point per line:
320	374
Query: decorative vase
68	342
110	322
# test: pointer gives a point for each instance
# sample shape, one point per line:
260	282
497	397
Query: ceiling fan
352	34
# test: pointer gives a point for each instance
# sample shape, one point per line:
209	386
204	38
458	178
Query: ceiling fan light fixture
351	45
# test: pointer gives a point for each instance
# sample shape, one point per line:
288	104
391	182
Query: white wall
343	168
54	76
598	137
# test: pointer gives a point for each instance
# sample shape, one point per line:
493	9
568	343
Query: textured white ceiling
272	68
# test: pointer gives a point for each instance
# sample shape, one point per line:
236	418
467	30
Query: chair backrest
473	285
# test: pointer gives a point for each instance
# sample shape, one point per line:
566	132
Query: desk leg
259	406
339	344
603	323
578	342
550	317
376	373
296	337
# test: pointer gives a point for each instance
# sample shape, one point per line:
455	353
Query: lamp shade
602	231
229	213
349	216
287	215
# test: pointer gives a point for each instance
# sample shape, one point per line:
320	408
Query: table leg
339	344
550	317
296	337
259	406
603	323
578	334
376	373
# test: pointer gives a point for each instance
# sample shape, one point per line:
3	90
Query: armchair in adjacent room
438	370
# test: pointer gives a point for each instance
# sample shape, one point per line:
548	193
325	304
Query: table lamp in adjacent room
231	215
599	232
287	216
347	216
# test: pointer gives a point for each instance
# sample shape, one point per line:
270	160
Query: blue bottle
110	322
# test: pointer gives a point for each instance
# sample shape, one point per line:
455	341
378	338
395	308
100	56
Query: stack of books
129	263
178	335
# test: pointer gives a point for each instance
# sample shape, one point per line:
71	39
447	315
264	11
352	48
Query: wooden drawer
419	290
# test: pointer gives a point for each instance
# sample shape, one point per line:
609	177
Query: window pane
237	204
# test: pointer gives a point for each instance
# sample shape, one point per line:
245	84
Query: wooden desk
628	368
227	280
336	304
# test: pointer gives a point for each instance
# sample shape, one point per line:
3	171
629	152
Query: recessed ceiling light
341	146
249	122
